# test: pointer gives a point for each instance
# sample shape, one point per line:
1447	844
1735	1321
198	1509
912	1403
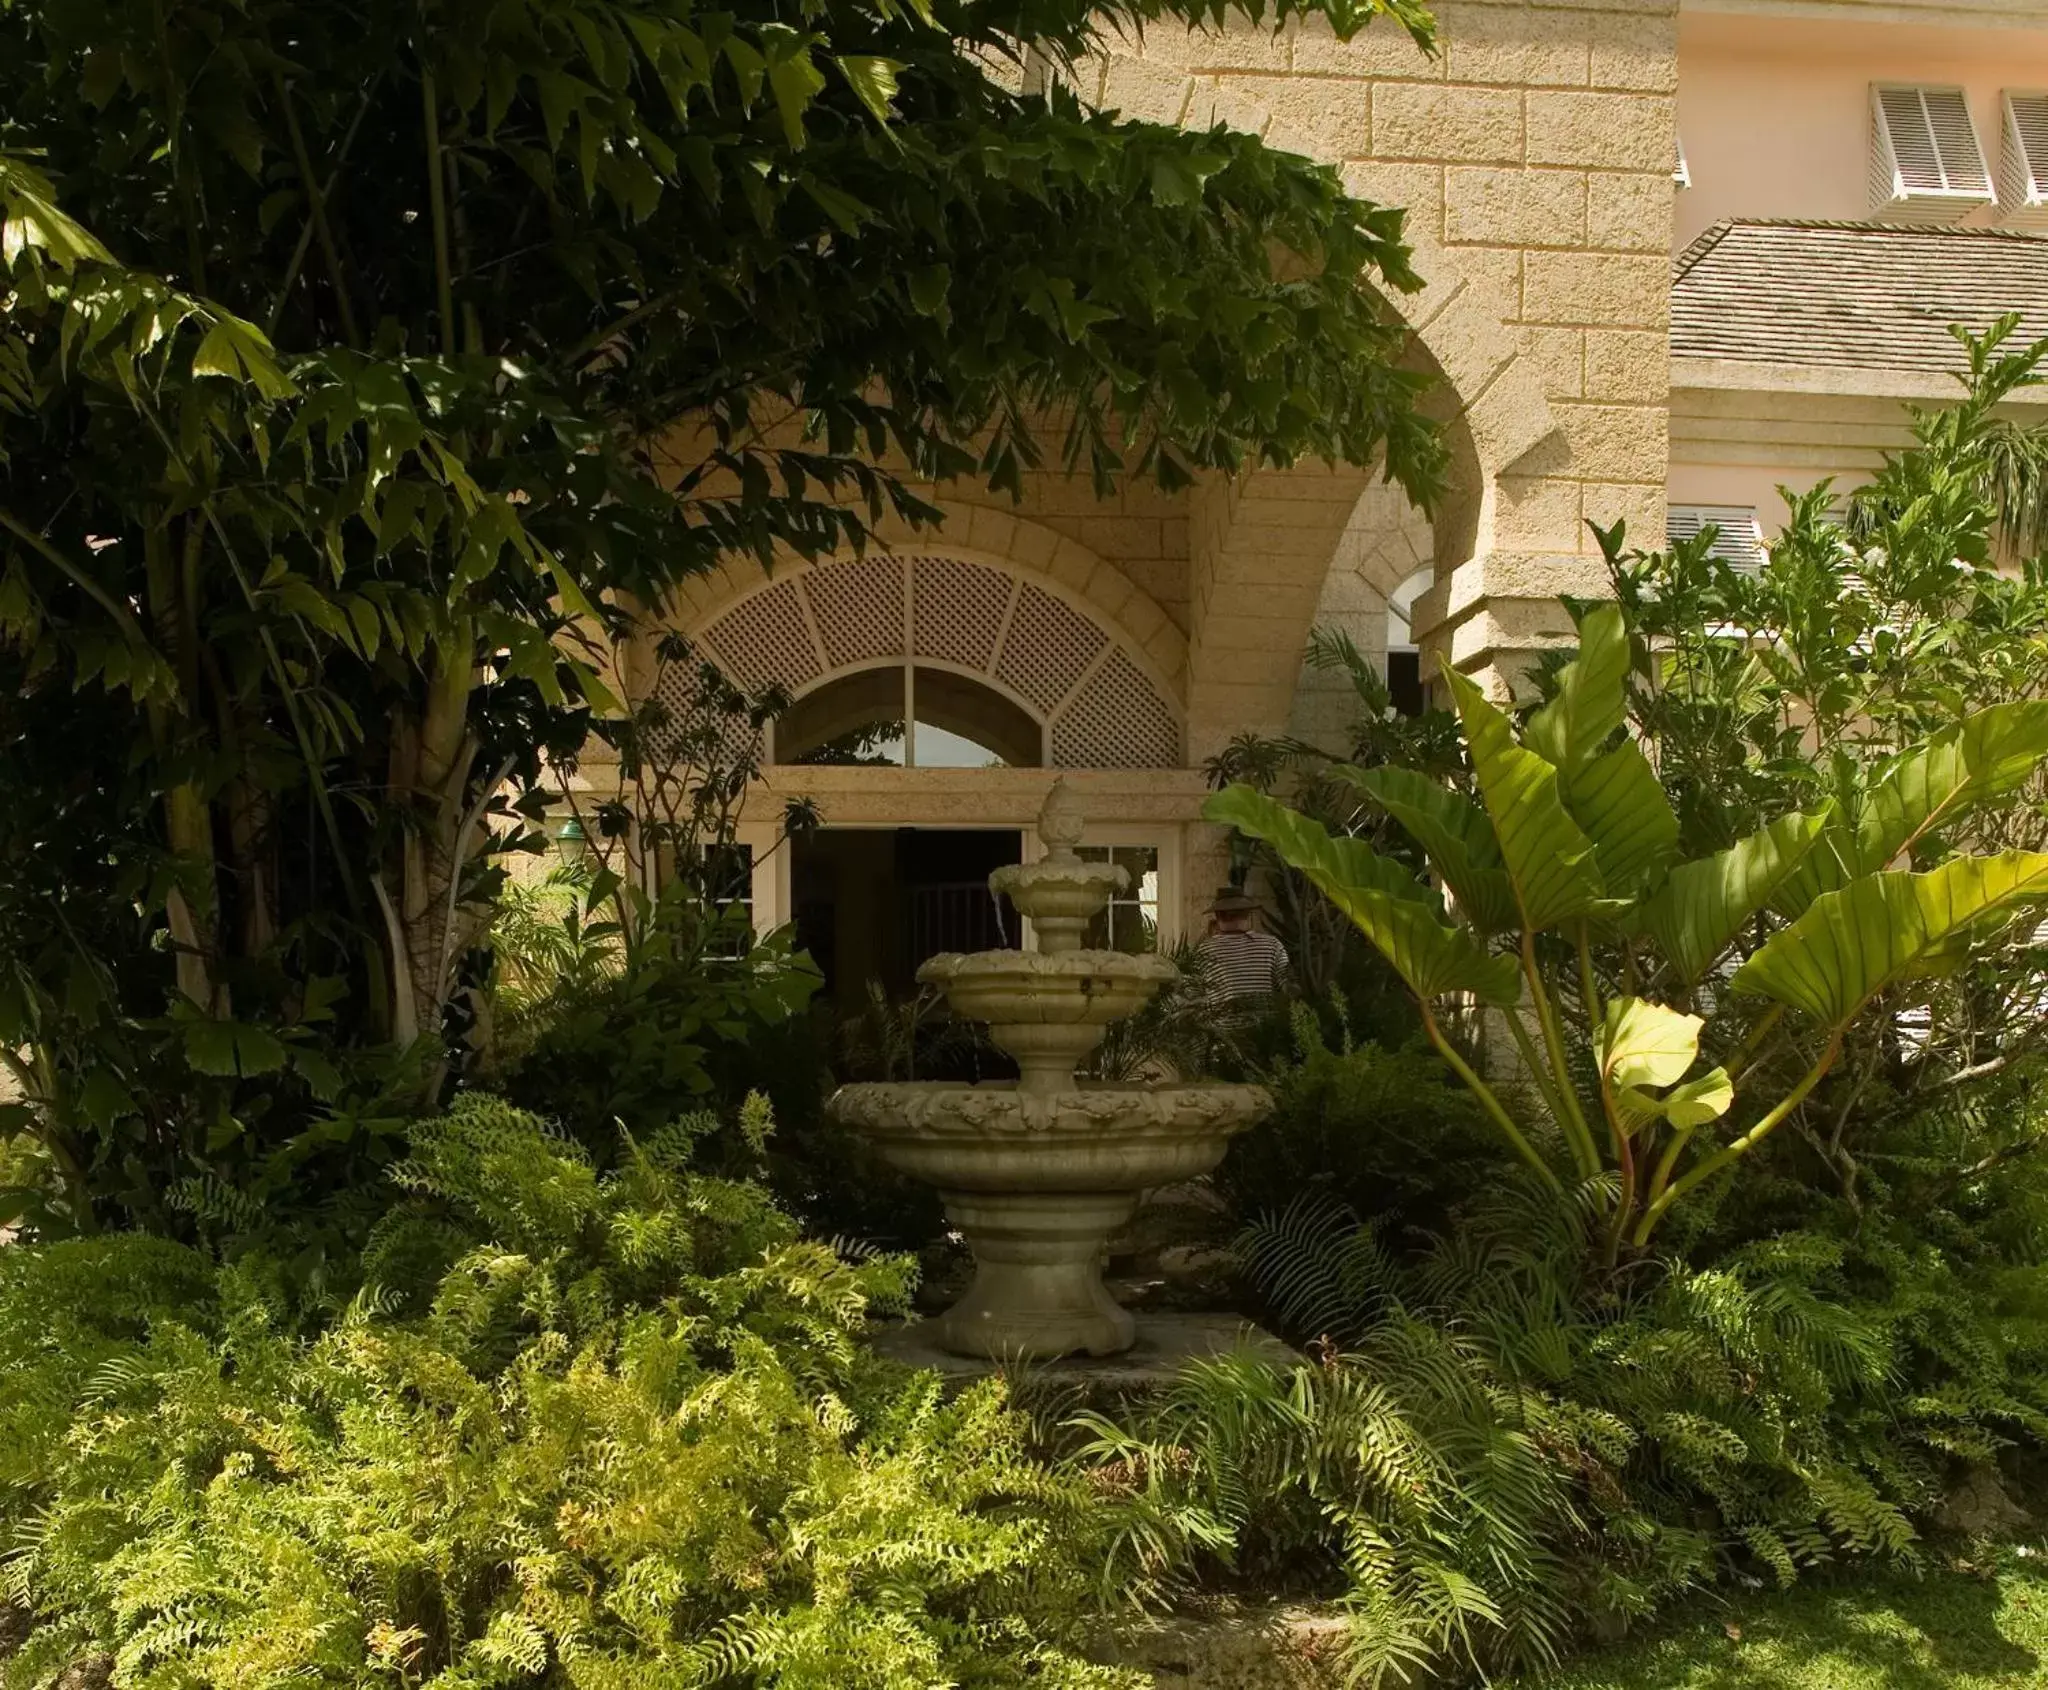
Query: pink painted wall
1774	113
1755	485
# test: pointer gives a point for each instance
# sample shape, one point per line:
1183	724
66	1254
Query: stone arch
1500	397
1062	643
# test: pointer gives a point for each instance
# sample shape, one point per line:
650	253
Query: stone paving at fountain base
1167	1341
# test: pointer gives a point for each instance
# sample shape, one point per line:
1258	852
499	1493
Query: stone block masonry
1533	152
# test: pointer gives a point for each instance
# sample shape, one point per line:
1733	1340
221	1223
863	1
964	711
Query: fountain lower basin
1037	1182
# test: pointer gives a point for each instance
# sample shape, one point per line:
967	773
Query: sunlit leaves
30	220
1401	917
1454	833
1881	929
1549	859
1644	1044
1698	911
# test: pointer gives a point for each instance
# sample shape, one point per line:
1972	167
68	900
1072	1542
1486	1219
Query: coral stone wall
1534	153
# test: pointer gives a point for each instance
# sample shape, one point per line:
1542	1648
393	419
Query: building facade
1672	257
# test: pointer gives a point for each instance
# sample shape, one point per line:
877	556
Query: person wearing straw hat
1240	963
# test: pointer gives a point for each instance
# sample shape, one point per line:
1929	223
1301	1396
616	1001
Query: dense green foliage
1383	1130
1502	1448
362	367
1530	1417
625	1434
1975	1626
1671	1007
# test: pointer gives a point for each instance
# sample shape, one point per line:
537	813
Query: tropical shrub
600	1429
1571	897
1381	1129
359	373
1876	624
1500	1452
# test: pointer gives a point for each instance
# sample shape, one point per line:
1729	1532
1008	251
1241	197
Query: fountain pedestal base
1037	1291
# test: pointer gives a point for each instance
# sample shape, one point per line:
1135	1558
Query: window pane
962	724
857	719
1131	922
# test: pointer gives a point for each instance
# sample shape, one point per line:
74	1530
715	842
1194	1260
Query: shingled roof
1864	295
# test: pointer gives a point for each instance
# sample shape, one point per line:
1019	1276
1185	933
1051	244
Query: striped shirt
1242	965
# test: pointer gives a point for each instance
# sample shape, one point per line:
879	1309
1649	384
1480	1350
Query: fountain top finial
1060	822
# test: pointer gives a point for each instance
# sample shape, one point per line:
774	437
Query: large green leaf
1645	1048
1620	803
1695	915
1644	1044
1549	859
1400	916
1591	700
1884	928
1456	836
1987	756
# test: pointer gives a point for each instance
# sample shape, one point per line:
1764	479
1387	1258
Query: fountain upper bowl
1023	988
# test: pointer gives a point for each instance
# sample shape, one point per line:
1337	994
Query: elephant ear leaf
1699	1101
1644	1050
1549	859
1695	915
1881	929
1984	758
1400	916
1687	1107
1453	832
1591	699
1644	1044
1613	795
1620	803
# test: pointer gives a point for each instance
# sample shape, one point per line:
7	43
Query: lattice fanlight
1103	709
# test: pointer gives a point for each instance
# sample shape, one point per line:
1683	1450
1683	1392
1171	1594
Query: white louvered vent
1925	160
1682	175
2023	165
1738	540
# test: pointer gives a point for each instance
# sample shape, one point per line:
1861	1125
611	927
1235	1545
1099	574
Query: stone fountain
1038	1174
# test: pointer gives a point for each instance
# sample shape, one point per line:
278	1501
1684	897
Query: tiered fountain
1038	1174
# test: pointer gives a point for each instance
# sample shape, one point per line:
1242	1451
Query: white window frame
1163	837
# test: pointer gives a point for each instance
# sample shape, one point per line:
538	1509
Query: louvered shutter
1925	162
2023	167
1738	540
1683	174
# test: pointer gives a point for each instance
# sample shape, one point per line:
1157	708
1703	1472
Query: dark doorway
874	903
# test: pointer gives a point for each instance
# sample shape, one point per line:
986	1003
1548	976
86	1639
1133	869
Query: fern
1495	1443
630	1435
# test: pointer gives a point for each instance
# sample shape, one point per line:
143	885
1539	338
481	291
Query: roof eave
1747	375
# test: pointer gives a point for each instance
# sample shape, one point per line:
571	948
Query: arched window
967	651
909	715
1404	662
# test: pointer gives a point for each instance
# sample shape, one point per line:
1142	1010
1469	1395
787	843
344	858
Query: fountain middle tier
1047	1010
